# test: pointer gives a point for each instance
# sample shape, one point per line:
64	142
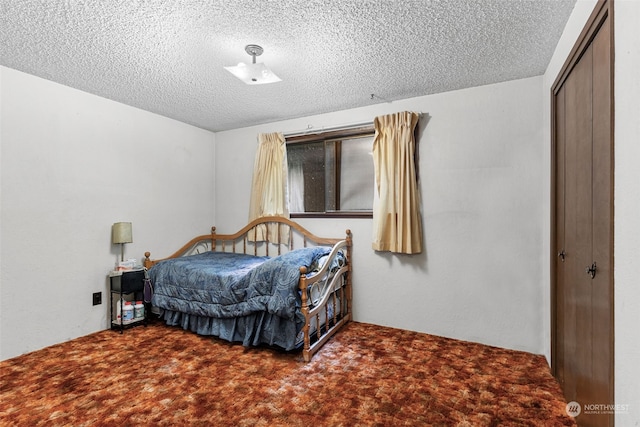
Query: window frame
332	135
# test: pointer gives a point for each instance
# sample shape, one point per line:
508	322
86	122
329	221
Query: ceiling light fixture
253	74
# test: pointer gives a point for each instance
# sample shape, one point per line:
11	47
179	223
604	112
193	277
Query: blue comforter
226	285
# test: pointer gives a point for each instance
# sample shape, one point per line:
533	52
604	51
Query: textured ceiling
167	56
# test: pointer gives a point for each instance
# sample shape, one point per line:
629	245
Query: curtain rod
310	129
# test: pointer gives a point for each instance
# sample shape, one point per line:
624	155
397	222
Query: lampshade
253	74
121	232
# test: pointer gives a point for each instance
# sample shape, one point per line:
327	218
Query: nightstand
126	286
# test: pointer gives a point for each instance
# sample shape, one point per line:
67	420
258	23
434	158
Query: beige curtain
269	186
396	206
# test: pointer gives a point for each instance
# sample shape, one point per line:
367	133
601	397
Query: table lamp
121	233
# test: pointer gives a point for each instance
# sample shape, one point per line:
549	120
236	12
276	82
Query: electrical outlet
97	298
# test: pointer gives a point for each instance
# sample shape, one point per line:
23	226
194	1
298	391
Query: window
331	174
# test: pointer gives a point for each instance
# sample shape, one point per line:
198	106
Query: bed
272	283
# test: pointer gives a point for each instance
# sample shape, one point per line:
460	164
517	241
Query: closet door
582	278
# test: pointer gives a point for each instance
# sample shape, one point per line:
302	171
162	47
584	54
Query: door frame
602	11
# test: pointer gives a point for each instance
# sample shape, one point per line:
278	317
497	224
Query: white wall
72	165
481	167
627	207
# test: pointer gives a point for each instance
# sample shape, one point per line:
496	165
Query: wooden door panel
559	259
578	224
602	289
567	292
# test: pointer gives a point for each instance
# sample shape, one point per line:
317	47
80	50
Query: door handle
591	271
561	255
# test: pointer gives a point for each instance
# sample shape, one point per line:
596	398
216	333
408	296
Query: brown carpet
364	376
